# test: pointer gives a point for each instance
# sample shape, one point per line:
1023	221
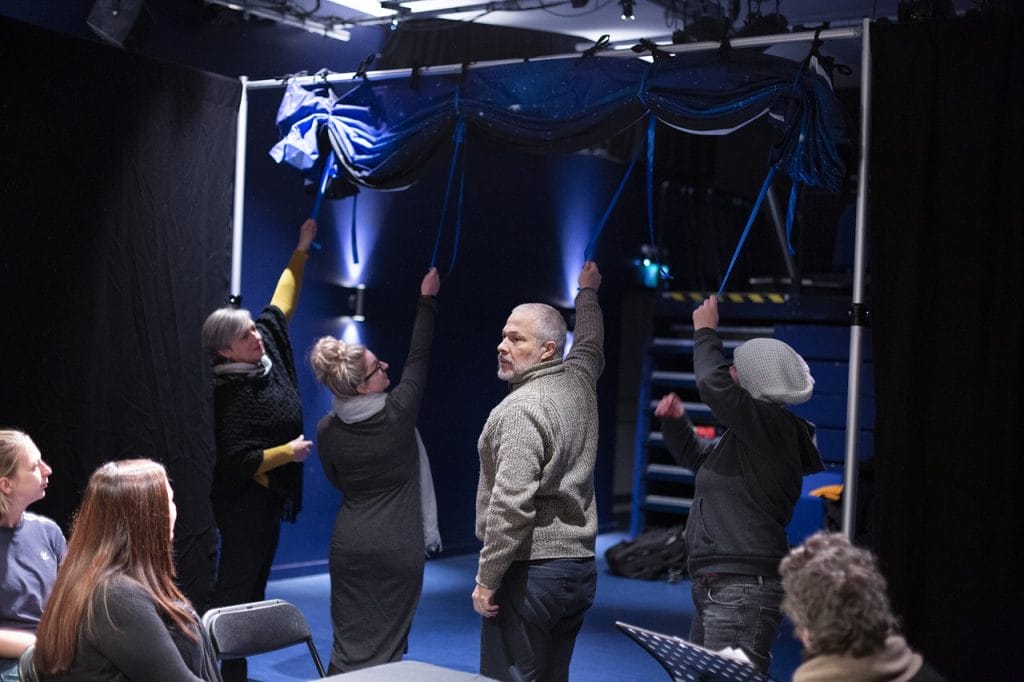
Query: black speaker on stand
117	21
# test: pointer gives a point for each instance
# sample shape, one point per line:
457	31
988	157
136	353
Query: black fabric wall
947	331
115	212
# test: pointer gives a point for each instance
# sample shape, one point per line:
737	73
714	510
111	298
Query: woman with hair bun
371	451
115	612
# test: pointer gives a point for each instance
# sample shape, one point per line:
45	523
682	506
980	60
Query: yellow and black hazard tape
739	297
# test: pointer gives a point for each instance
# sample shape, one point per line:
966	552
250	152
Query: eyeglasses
376	369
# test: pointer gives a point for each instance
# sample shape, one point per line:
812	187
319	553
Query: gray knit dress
377	547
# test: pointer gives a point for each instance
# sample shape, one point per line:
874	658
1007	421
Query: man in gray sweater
535	508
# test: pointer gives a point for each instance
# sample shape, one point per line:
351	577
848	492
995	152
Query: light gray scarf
246	369
359	408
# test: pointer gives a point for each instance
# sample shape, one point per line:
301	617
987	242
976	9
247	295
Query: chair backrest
26	669
258	627
687	662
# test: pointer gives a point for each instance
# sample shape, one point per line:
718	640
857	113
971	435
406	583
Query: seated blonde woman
31	547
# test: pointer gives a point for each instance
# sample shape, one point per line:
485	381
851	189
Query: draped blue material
384	132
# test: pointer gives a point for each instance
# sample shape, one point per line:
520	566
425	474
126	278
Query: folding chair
687	662
258	627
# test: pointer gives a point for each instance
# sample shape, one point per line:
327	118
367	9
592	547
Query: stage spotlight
335	301
627	10
651	272
355	302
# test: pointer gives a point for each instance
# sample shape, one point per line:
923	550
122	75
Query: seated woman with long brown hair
115	612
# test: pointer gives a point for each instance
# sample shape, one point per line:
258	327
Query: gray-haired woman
258	428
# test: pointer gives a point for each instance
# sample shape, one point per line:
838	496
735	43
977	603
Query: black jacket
748	483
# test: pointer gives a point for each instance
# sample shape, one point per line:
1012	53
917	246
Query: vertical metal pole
858	311
241	133
643	430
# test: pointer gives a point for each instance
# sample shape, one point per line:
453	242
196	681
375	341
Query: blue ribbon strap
750	223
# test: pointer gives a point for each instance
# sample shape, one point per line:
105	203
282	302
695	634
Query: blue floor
445	631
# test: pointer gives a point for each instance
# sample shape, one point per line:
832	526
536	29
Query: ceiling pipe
449	69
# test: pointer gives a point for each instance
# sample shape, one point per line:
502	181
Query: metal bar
241	134
447	69
859	267
643	427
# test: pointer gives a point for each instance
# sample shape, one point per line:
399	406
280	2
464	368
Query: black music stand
686	662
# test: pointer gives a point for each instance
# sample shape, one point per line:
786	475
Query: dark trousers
541	606
250	525
737	611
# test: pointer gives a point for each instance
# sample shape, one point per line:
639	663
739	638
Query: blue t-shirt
29	556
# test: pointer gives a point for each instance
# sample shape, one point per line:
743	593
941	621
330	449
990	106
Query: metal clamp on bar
860	316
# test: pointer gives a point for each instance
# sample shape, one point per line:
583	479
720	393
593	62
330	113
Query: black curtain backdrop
115	212
947	331
432	42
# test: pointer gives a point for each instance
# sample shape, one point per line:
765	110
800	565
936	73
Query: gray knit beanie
770	370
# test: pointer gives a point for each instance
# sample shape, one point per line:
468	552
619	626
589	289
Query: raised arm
587	351
286	294
431	283
706	314
731	404
409	392
683	444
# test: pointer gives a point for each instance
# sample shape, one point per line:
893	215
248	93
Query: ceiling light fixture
371	7
323	28
627	10
450	6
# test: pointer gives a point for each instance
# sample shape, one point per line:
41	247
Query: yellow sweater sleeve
286	295
274	457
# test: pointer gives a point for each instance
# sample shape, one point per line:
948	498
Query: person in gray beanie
746	485
771	370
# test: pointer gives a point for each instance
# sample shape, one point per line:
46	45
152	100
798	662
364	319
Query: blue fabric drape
384	132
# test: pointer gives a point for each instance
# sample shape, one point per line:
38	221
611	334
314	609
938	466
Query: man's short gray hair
222	327
548	324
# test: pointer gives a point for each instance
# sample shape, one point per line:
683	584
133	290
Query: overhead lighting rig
327	27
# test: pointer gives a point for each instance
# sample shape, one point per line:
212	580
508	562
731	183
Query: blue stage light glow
350	274
649	273
349	330
368	211
578	211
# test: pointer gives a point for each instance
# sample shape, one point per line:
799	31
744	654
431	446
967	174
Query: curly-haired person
836	597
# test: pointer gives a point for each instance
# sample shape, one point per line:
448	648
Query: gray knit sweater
535	498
